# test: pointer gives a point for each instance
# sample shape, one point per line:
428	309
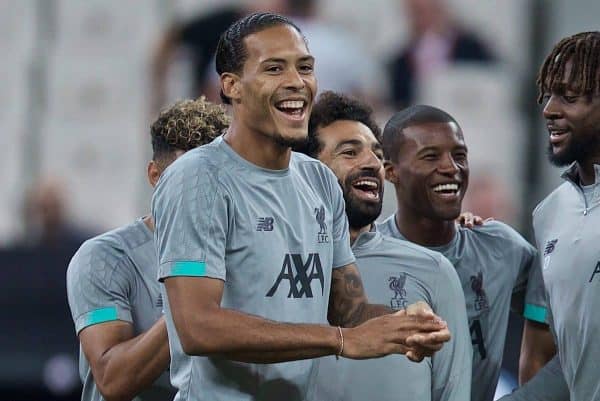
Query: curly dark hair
186	125
583	49
329	108
231	51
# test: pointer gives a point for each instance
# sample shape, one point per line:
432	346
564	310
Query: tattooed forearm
348	305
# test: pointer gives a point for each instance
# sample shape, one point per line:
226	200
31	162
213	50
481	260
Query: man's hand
469	220
389	334
424	344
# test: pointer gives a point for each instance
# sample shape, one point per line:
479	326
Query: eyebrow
435	149
354	142
282	60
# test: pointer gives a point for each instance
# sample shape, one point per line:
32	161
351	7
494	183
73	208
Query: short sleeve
190	210
99	283
536	305
342	251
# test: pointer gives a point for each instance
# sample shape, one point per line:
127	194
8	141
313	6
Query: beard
361	213
578	149
294	143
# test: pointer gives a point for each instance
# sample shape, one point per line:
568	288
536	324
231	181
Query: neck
587	171
149	222
256	148
422	230
355	232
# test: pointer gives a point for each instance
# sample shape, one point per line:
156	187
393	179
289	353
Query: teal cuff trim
536	313
188	268
101	315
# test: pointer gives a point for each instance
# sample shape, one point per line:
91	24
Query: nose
552	109
448	165
370	161
294	80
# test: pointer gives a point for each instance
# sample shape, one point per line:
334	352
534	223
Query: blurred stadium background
77	97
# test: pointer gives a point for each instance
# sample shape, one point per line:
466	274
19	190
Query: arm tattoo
348	305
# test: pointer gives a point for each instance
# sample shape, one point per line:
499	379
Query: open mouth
557	135
367	188
294	110
449	190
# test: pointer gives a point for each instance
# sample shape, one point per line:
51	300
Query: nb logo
299	275
159	301
264	224
550	245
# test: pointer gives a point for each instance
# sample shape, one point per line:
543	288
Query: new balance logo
550	245
159	301
264	224
299	275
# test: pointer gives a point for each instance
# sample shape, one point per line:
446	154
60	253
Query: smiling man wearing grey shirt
112	284
426	160
343	135
253	241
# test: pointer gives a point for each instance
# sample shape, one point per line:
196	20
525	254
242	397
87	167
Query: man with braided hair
566	222
112	288
253	241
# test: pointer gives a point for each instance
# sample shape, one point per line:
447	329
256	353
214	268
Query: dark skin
278	69
574	117
431	154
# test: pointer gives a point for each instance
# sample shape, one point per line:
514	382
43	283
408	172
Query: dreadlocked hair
583	49
186	125
231	51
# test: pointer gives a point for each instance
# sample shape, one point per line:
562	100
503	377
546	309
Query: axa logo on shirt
299	274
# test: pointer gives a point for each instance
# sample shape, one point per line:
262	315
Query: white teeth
291	104
365	183
446	187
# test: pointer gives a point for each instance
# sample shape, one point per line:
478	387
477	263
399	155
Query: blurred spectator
342	64
436	40
46	219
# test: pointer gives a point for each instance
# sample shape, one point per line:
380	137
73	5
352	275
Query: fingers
421	309
415	356
429	341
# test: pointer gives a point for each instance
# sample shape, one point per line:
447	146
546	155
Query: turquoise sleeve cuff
535	313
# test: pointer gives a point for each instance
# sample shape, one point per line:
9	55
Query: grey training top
492	261
113	277
398	273
567	232
273	236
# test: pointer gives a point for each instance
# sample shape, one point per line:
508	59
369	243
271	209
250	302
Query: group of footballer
261	273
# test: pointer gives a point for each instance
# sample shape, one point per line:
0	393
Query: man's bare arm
537	348
349	307
205	328
124	365
348	304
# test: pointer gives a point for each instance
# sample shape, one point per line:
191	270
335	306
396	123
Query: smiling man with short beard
426	161
343	135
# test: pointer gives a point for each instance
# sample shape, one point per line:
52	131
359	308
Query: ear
153	173
230	85
390	172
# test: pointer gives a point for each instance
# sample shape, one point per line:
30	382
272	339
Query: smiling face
431	174
274	92
573	121
352	152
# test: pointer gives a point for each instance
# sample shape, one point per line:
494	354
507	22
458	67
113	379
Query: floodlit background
83	80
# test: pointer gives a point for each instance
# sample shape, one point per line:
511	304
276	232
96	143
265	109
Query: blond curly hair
186	125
